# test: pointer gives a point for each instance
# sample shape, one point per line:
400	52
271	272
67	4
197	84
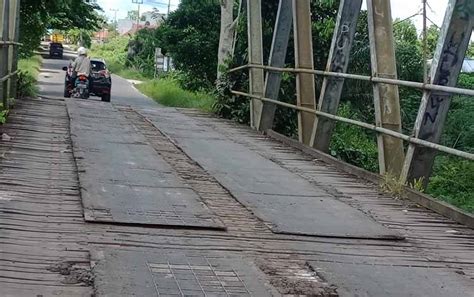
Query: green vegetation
354	143
453	182
26	83
114	53
29	71
37	16
168	92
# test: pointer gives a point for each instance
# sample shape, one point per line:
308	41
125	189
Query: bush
229	106
166	91
453	182
26	85
27	77
352	144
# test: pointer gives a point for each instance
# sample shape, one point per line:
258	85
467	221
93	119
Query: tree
470	51
432	36
405	31
191	36
157	15
227	33
80	37
39	15
132	15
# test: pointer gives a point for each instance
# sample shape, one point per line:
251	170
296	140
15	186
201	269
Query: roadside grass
31	65
115	55
167	91
28	76
128	73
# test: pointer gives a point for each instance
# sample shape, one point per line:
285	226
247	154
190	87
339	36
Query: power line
406	19
432	22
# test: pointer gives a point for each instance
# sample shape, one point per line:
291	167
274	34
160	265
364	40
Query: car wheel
106	97
66	92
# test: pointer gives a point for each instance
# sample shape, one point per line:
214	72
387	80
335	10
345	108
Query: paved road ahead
131	198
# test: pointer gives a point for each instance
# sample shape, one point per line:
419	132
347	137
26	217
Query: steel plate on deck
166	273
287	202
389	280
122	178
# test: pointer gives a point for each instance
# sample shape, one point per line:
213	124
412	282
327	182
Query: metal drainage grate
190	279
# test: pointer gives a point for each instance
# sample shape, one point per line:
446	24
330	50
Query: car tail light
104	73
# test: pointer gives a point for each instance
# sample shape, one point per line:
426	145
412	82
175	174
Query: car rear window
56	45
98	66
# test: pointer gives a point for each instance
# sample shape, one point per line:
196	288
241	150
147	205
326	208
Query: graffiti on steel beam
465	9
339	61
450	57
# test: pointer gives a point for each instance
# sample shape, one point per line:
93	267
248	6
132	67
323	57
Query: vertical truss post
305	85
13	49
338	61
386	97
446	66
281	36
4	57
257	78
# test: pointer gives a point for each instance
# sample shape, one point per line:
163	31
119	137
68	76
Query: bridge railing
9	37
407	138
316	118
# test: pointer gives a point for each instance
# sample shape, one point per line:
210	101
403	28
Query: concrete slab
178	273
122	178
287	202
366	280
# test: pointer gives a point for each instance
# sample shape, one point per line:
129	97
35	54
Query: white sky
405	8
400	8
126	5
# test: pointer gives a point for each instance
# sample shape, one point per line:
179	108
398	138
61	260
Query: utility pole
169	8
425	45
115	18
138	2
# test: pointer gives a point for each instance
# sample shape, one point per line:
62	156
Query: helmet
82	51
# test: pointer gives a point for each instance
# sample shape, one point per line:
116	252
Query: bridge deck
48	248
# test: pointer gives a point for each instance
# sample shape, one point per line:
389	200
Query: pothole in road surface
295	278
74	273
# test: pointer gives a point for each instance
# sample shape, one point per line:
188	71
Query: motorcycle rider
81	66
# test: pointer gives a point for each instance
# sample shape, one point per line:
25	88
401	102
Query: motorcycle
81	87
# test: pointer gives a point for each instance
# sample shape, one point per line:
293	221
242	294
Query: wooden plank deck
45	242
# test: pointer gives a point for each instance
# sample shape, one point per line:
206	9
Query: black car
100	84
56	50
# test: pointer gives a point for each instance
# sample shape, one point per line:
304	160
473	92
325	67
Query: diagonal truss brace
446	66
338	61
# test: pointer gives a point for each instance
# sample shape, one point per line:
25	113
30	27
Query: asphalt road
123	92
